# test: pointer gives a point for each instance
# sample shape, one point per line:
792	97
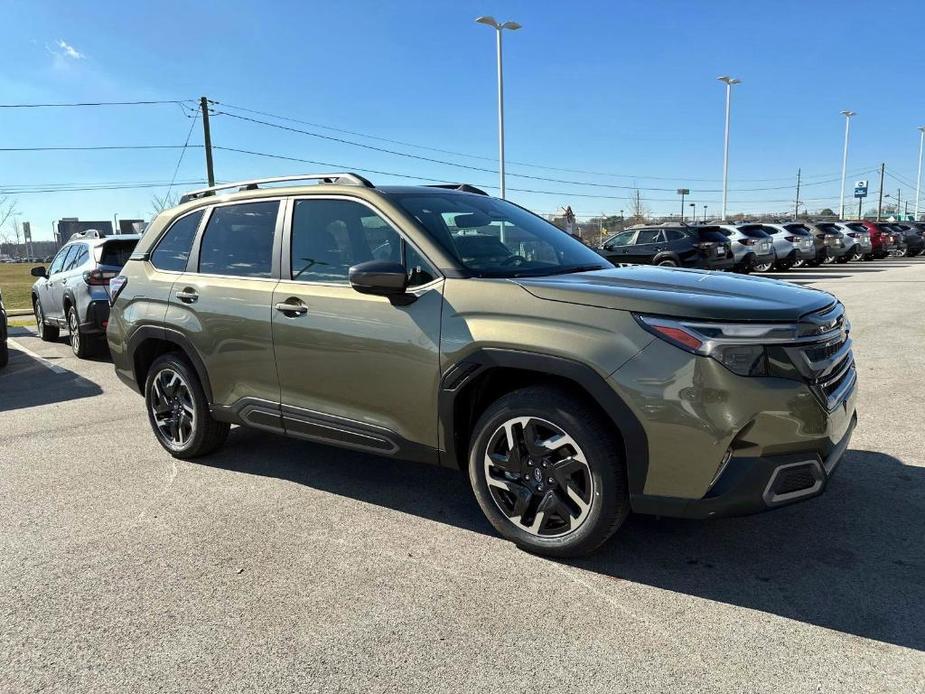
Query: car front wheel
46	333
179	411
547	472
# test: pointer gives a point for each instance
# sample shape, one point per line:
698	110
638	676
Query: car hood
681	293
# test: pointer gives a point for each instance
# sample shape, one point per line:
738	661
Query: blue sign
860	189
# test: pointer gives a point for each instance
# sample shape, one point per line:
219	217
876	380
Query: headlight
740	347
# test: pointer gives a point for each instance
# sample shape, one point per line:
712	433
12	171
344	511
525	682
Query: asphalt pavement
278	565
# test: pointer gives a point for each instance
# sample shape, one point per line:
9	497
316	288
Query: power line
96	103
76	188
91	148
182	152
480	169
494	159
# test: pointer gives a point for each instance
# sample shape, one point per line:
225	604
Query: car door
53	305
616	248
45	289
646	245
355	369
221	304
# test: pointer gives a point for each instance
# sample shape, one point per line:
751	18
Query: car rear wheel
4	354
179	411
82	345
547	472
763	267
828	260
667	262
841	260
46	333
799	263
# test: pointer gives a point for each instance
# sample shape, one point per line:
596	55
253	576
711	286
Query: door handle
293	309
187	296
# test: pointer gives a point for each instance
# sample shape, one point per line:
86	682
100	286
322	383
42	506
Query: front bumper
753	485
720	444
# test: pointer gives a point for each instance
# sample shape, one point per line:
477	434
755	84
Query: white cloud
67	50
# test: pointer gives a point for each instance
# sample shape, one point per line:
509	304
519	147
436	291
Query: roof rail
348	178
462	187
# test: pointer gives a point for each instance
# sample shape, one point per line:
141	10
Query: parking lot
282	565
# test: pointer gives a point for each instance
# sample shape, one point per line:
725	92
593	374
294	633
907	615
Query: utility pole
796	204
880	202
918	178
207	135
899	196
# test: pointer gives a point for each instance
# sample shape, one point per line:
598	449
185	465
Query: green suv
441	325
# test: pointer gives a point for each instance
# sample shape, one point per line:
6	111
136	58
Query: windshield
494	238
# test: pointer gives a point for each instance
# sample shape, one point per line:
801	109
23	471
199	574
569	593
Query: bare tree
159	203
639	210
7	209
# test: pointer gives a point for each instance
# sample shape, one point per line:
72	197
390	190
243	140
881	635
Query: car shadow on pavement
851	560
27	382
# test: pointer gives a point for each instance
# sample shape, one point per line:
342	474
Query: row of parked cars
763	247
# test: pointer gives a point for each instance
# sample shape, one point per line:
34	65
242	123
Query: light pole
693	213
844	162
729	81
704	213
499	27
682	192
918	179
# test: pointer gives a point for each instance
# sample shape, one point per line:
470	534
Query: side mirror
380	277
39	272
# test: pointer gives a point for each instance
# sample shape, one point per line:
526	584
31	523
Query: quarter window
238	240
329	236
173	250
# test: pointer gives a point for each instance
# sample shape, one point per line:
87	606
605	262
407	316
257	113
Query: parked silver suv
73	293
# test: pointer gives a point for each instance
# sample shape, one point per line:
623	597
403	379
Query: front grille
827	365
794	479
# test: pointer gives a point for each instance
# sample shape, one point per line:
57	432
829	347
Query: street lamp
693	212
918	180
729	81
704	213
844	161
499	27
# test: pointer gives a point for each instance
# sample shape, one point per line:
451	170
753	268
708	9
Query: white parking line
41	360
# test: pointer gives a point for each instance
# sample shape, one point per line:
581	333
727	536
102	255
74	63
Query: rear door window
58	262
69	258
649	236
238	240
624	238
674	234
173	250
81	257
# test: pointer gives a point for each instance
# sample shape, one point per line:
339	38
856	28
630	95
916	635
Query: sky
600	97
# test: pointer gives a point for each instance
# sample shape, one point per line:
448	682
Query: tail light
748	242
116	285
792	239
97	278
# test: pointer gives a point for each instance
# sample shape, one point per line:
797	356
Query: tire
828	260
178	410
595	499
47	333
764	267
798	263
82	345
667	262
4	354
841	260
